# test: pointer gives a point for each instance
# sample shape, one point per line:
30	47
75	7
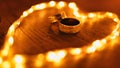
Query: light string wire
57	55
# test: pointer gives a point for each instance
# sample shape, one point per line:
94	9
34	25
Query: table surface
10	10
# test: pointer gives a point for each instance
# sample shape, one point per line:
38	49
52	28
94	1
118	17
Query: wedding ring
69	25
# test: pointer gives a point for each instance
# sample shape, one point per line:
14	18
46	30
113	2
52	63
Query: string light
1	60
39	61
30	10
76	14
6	64
52	57
116	20
75	51
19	59
91	15
39	6
11	40
109	14
59	55
61	4
72	5
24	14
52	3
90	50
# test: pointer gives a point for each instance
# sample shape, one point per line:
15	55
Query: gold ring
69	25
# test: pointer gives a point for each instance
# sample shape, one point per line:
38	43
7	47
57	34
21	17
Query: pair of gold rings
67	25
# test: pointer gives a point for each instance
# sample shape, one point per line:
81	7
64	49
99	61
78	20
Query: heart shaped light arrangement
56	57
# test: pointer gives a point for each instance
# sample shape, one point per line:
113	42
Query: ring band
69	25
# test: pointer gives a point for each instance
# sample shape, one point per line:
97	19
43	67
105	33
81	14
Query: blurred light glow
109	14
75	51
91	15
103	41
12	28
38	63
61	4
72	5
1	60
30	10
11	40
52	3
97	44
19	66
76	14
19	59
83	17
61	53
5	51
116	20
24	14
55	56
91	50
40	6
115	35
39	60
51	56
6	64
116	29
75	9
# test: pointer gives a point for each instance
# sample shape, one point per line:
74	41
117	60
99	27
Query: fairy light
75	51
19	66
72	5
59	55
40	60
52	3
1	60
91	15
97	44
5	52
100	16
51	56
56	56
12	28
19	59
30	10
103	41
6	64
38	63
115	30
24	14
83	17
76	14
109	14
90	50
11	40
40	6
115	35
61	4
116	19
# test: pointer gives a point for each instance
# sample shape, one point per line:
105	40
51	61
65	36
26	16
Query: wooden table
11	10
